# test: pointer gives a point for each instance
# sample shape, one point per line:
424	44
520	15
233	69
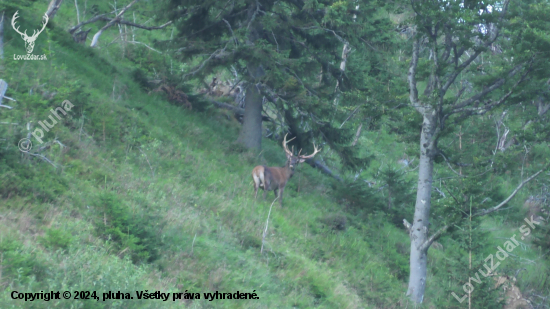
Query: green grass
152	196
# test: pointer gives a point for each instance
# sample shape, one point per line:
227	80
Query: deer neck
288	170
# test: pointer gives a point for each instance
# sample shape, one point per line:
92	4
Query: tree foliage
303	47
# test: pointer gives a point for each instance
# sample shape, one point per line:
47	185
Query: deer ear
302	160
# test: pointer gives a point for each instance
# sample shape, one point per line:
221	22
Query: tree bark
434	116
239	112
251	131
2	36
419	231
53	7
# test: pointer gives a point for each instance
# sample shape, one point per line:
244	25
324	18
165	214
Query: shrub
131	232
56	238
19	263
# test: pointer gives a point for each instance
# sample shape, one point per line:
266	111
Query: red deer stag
275	178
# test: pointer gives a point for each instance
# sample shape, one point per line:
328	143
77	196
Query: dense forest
275	154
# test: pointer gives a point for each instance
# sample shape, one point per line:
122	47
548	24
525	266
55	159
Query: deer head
293	160
275	178
29	40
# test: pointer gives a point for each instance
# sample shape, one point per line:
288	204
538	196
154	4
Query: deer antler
44	23
285	146
315	151
13	24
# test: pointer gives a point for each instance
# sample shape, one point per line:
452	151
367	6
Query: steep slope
144	195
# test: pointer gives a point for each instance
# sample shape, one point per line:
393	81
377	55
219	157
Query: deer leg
256	185
276	192
281	196
266	187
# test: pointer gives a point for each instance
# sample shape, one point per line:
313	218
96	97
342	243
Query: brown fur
275	178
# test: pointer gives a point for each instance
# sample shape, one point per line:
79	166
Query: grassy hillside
144	194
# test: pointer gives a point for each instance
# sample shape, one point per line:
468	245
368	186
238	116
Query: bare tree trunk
438	83
251	131
419	231
53	7
2	36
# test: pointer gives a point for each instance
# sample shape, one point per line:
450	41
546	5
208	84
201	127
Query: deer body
271	179
275	178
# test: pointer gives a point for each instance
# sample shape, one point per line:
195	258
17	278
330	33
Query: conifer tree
308	58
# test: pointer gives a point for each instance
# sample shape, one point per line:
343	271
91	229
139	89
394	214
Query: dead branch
253	15
129	23
323	168
232	33
89	21
112	22
266	226
449	164
218	53
53	7
433	238
438	234
407	225
357	135
349	117
77	11
462	106
3	89
476	53
44	158
493	209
